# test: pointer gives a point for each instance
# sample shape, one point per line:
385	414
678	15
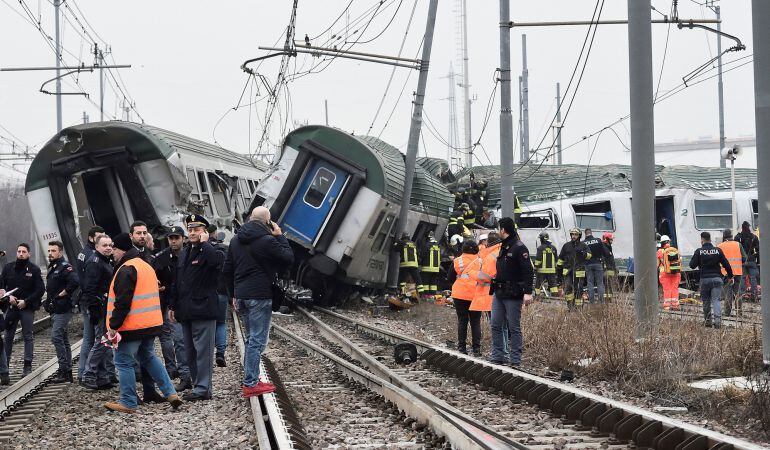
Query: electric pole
642	164
524	101
466	88
414	139
720	87
453	134
760	15
506	121
56	4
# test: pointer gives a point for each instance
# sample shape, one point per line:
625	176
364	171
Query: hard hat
483	237
464	206
456	239
576	231
665	238
404	235
607	237
543	236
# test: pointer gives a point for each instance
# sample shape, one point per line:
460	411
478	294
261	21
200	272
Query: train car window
377	223
252	186
755	212
596	216
245	192
323	180
204	194
193	180
383	233
713	214
220	194
539	220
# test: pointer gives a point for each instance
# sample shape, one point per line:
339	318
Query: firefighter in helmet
572	263
408	266
430	261
545	266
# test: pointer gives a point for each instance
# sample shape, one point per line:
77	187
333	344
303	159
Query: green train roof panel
144	141
549	182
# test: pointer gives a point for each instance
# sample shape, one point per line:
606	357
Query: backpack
672	262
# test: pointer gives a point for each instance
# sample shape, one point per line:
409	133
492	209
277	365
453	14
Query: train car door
665	222
313	201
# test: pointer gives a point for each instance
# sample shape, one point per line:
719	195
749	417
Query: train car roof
145	142
548	182
384	166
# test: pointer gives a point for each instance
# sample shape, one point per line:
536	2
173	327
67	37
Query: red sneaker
258	389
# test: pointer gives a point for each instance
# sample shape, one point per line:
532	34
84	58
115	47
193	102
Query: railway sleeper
605	423
589	415
624	429
546	400
535	393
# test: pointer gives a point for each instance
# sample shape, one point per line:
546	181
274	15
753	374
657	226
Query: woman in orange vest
483	272
463	291
134	319
670	268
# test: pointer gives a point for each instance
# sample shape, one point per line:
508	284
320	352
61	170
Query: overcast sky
186	76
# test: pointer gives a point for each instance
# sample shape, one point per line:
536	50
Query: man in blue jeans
134	312
708	258
256	255
512	288
595	265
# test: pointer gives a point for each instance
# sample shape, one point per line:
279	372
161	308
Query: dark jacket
514	270
27	277
221	279
124	285
750	242
708	258
254	258
596	248
88	250
165	264
95	285
573	257
195	296
61	276
609	258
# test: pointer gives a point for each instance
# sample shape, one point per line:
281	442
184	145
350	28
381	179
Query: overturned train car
113	173
337	196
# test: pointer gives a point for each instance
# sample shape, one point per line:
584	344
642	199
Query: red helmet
607	237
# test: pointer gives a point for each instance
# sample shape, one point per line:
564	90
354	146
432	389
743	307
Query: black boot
5	379
221	360
61	377
27	368
68	376
183	385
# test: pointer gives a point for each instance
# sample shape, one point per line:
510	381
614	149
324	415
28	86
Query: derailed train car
113	173
337	196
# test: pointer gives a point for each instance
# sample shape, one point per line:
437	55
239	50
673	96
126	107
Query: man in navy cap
195	304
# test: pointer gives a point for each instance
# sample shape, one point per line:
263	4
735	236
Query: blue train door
313	201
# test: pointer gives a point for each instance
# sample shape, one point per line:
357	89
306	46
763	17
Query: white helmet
483	237
456	240
665	238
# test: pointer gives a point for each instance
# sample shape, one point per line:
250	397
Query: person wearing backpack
670	267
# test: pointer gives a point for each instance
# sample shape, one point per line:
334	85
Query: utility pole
506	121
760	15
99	60
414	139
720	87
466	89
524	101
326	111
521	120
453	135
56	4
642	164
558	123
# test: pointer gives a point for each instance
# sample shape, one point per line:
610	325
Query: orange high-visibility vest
145	305
464	287
482	300
732	250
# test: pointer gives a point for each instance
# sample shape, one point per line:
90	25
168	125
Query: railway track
26	396
568	417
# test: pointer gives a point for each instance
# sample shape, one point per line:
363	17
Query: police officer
88	330
595	265
98	368
545	265
61	283
430	259
22	304
408	265
171	342
708	259
195	304
572	260
512	287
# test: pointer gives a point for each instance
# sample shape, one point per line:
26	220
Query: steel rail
621	421
488	436
449	427
272	433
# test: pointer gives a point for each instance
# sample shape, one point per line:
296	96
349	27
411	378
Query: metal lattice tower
454	155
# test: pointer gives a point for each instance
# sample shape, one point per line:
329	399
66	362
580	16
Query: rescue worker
456	246
595	266
488	220
456	224
610	268
98	369
196	304
736	256
408	266
750	243
430	259
483	241
670	268
468	215
708	258
133	320
171	340
61	283
22	304
483	270
571	263
545	266
463	291
512	287
88	330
